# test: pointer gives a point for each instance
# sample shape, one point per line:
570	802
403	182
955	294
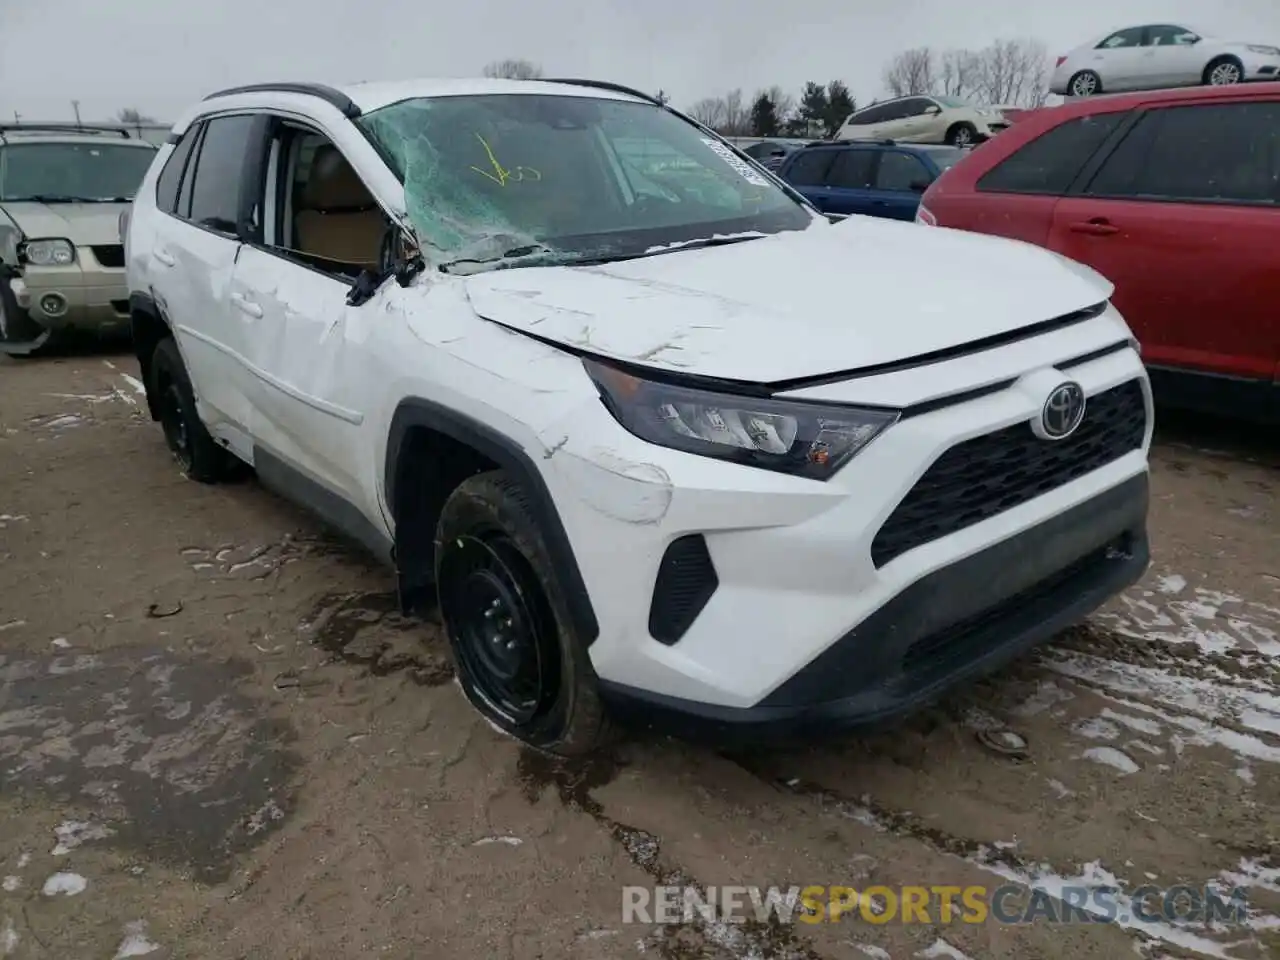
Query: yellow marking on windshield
500	174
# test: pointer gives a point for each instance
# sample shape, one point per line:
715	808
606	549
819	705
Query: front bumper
1260	66
76	298
955	624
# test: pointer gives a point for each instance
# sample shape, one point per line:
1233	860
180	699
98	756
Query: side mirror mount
919	186
932	110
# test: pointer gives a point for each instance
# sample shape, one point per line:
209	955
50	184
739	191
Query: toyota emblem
1062	411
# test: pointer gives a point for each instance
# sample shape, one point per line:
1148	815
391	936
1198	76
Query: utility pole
17	117
75	105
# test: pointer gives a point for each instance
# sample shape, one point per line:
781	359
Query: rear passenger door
1182	217
193	252
1016	197
806	170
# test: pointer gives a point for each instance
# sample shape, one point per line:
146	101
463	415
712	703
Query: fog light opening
53	304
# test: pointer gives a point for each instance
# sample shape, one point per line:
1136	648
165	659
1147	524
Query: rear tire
516	652
199	456
1223	72
1086	83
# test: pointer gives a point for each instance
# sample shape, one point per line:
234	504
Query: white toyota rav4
660	441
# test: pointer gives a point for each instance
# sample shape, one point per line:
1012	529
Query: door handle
246	306
163	257
1097	227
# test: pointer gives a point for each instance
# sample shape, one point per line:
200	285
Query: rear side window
809	168
171	176
852	170
219	171
1222	153
1050	162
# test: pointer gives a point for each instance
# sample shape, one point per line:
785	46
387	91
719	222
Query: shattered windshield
571	178
70	172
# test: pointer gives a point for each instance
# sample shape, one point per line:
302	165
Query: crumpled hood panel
84	224
798	304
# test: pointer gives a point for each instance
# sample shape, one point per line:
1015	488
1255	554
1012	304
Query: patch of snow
1060	788
1047	695
66	884
1245	773
1111	757
135	942
72	833
61	642
12	625
10	884
941	948
1140	724
1097	728
1174	583
509	841
8	518
9	938
879	953
23	860
135	383
1251	873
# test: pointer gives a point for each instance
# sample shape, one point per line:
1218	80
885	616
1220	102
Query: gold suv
63	191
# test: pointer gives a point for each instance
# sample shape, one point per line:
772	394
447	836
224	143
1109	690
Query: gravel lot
218	739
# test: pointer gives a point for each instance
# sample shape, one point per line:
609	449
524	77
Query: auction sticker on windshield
738	164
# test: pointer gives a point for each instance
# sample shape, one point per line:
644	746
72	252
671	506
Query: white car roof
372	95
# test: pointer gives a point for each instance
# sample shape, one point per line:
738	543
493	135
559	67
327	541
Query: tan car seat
338	218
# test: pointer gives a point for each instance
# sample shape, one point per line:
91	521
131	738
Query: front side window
810	168
72	172
1049	163
899	171
953	103
1166	35
570	177
218	172
1220	153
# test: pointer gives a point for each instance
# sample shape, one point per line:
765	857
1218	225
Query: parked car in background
772	151
924	120
617	424
877	178
1161	55
62	193
1174	196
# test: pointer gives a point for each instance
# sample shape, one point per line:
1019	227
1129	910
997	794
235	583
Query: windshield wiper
676	247
515	253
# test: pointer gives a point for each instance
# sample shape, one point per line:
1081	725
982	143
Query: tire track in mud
573	782
367	630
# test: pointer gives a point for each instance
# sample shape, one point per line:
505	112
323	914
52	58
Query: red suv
1172	195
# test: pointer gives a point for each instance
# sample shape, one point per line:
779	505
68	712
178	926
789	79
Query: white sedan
1161	55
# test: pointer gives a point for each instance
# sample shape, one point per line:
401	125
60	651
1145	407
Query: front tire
962	135
516	652
1086	83
1224	72
199	456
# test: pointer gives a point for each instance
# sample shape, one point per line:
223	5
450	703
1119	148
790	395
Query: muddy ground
217	739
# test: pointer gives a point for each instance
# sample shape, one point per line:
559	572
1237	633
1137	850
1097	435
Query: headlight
790	436
48	253
1269	51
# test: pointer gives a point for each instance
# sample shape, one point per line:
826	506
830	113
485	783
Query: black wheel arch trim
512	457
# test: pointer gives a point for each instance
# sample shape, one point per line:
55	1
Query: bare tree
134	116
1015	72
783	102
910	73
709	111
960	73
513	70
737	114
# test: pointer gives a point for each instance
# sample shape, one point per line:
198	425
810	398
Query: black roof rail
605	85
329	95
69	127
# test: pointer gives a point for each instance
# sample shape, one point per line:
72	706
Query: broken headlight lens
805	439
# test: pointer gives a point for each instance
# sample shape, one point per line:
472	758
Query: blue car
877	178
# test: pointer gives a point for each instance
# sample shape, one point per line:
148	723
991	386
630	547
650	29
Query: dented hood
84	224
793	305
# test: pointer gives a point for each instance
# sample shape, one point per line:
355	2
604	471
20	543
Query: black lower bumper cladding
955	624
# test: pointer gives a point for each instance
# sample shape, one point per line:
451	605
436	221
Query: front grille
983	477
110	255
686	580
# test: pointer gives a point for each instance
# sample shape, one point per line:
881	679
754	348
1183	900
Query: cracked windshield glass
569	178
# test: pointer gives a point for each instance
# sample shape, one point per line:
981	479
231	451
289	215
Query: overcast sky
160	55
